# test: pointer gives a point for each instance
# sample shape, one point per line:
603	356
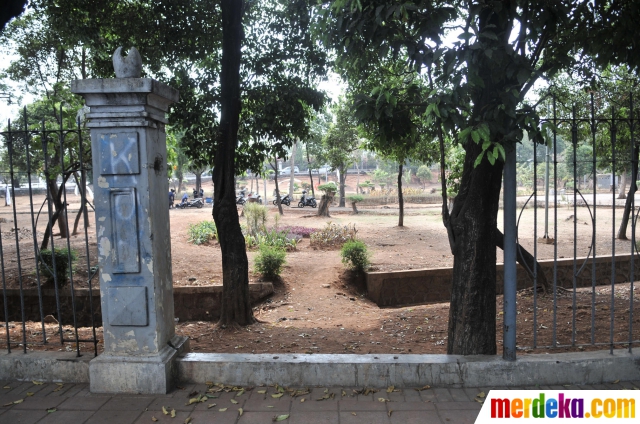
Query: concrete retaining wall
190	303
423	286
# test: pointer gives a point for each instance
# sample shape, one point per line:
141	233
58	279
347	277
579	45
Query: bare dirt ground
316	309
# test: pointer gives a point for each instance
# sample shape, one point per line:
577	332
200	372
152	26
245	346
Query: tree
181	43
236	306
479	86
424	174
341	141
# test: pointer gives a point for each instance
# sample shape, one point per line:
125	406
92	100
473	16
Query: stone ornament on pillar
129	66
128	141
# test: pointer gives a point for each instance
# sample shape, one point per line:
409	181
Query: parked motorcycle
195	203
307	201
286	200
240	200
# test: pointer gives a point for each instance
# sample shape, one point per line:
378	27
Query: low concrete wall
407	370
190	303
423	286
380	370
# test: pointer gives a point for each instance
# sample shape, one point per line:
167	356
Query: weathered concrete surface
44	366
154	374
409	370
423	286
329	370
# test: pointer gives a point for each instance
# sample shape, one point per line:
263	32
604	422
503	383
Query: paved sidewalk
26	402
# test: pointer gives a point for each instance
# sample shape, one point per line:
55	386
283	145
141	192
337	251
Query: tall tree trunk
342	181
236	307
633	187
313	193
198	180
292	163
623	185
471	227
400	198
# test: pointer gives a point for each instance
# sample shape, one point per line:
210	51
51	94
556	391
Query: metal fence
584	303
48	263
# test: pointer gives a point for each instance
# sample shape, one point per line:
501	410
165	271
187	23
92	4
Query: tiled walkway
27	402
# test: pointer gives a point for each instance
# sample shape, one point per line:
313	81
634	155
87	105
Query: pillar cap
125	86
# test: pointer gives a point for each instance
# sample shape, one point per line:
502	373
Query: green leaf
483	129
478	159
475	135
500	149
492	160
485	145
281	417
523	76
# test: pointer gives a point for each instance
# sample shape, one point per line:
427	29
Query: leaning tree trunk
236	306
400	198
471	227
342	182
528	262
633	187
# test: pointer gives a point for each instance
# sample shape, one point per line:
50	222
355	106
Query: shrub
270	260
61	257
333	235
355	198
256	218
355	255
329	188
279	239
299	231
202	232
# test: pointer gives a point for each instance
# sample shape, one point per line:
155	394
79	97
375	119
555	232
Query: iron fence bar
33	231
595	185
580	345
51	223
66	219
85	216
15	222
634	176
613	227
574	142
555	220
4	280
535	242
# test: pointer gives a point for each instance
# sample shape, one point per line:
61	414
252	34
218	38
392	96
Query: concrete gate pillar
127	120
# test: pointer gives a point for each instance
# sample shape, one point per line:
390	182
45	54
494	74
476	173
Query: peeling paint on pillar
127	120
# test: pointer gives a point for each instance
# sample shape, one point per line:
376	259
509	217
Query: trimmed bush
61	258
202	232
355	255
270	260
333	235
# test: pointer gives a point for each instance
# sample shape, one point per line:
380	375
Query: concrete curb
353	370
409	370
63	367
